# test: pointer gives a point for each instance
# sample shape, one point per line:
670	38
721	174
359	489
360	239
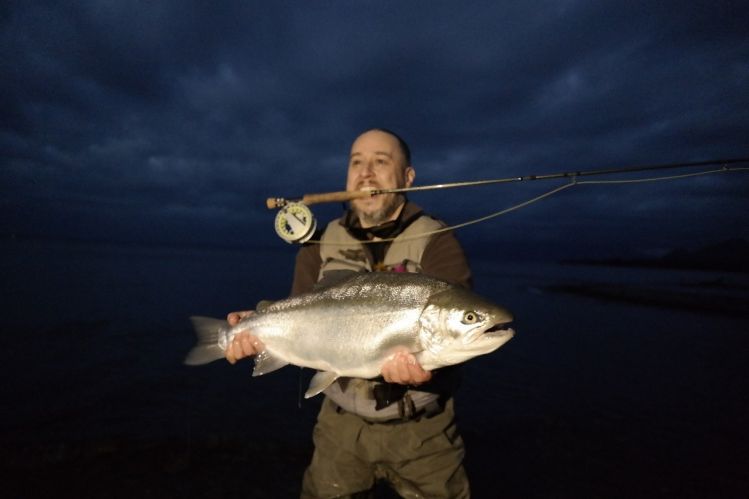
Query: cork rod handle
326	197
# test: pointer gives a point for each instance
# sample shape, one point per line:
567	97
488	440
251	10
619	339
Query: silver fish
350	329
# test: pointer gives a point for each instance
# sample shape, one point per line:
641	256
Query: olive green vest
339	250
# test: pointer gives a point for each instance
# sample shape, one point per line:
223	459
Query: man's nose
368	169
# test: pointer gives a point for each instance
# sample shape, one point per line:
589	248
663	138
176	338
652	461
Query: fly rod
342	196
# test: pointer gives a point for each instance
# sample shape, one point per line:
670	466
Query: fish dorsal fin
320	382
263	305
332	277
266	363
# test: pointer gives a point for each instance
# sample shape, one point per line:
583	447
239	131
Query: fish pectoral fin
266	363
320	382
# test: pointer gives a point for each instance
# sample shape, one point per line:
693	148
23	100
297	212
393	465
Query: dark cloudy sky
172	121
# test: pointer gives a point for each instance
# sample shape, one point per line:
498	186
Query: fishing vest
339	250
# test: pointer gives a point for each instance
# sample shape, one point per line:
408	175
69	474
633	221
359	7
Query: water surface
592	398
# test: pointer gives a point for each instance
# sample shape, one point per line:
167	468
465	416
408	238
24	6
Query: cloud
194	113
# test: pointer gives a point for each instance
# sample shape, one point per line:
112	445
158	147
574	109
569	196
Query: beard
380	215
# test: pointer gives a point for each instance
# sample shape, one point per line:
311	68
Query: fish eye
470	318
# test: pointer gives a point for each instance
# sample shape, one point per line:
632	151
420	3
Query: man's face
377	162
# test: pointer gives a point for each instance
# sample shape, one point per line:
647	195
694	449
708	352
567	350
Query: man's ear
410	175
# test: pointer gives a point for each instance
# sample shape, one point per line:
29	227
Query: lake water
592	398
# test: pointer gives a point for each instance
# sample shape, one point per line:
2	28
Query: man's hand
244	344
402	368
234	317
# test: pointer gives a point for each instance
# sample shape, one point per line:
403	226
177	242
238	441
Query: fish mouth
498	330
490	339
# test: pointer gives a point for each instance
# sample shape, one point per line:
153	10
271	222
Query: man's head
379	160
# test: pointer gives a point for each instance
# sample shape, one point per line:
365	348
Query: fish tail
207	350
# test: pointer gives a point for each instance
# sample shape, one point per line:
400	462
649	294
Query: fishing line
460	225
656	179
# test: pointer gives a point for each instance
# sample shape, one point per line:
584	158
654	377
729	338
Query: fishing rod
342	196
296	224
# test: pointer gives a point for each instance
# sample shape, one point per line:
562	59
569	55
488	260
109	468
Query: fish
350	328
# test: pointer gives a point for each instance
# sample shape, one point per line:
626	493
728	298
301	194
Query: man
400	428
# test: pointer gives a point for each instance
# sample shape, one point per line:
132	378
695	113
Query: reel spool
295	223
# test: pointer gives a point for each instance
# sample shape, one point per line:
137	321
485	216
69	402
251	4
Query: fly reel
295	223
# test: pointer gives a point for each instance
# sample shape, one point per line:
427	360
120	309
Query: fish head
457	325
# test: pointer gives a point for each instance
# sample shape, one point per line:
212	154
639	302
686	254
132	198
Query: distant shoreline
707	293
661	264
727	256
